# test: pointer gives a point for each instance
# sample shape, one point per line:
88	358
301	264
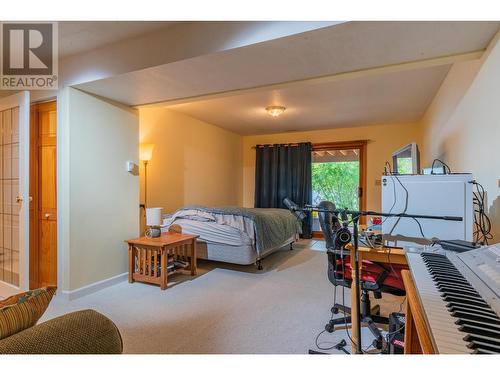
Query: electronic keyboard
460	296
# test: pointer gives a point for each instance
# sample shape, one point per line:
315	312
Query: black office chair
375	277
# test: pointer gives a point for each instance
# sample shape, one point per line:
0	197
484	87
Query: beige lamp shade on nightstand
153	221
153	217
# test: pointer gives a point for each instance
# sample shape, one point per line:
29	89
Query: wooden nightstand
148	258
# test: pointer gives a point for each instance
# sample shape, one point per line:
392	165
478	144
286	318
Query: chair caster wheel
330	327
259	265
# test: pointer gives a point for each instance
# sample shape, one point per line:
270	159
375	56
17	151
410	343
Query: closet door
14	193
43	189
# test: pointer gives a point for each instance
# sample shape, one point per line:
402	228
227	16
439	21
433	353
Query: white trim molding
7	290
94	287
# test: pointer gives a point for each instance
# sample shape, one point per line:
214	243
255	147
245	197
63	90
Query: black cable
389	336
317	344
482	223
331	317
406	207
406	202
419	227
394	198
446	166
387	164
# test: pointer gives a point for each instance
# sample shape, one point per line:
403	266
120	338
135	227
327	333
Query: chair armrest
81	332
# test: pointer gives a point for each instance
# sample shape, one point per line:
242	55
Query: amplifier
396	336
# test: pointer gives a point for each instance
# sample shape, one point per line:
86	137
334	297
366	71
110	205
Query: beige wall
383	141
98	200
193	162
462	125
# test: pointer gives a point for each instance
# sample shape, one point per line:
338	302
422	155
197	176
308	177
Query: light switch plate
132	168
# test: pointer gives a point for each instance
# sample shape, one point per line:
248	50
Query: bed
235	234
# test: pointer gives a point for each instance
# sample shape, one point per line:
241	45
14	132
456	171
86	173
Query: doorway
338	175
43	195
14	190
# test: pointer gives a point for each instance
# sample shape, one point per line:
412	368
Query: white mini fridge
439	195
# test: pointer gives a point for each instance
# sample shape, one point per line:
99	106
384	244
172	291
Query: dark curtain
283	171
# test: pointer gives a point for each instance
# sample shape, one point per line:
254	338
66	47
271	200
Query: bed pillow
23	310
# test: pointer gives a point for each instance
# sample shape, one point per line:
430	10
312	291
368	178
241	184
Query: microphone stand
355	237
355	221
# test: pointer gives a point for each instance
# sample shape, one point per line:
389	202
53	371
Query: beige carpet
227	309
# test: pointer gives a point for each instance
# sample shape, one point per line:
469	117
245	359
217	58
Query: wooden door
43	190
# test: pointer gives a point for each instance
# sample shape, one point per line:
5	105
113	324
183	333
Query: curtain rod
276	144
319	146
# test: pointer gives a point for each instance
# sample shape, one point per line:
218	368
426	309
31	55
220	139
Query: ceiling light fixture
275	110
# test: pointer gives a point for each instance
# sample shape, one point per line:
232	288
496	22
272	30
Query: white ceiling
345	47
399	97
78	37
243	76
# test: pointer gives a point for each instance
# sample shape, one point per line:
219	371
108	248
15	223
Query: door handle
19	199
47	216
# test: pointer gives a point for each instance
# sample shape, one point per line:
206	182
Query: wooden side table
148	257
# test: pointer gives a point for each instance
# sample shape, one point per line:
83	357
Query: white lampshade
153	216
146	151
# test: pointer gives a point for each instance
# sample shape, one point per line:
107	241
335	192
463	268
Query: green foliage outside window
405	166
336	182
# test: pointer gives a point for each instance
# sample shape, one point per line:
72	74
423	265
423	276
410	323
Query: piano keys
459	295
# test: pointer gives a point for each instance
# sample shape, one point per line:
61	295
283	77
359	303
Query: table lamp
145	155
153	221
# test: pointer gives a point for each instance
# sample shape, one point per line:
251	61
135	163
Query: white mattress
212	232
229	230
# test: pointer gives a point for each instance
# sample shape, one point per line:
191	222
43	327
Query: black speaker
396	333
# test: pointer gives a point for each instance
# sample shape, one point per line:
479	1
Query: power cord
406	203
482	223
393	192
331	317
447	168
